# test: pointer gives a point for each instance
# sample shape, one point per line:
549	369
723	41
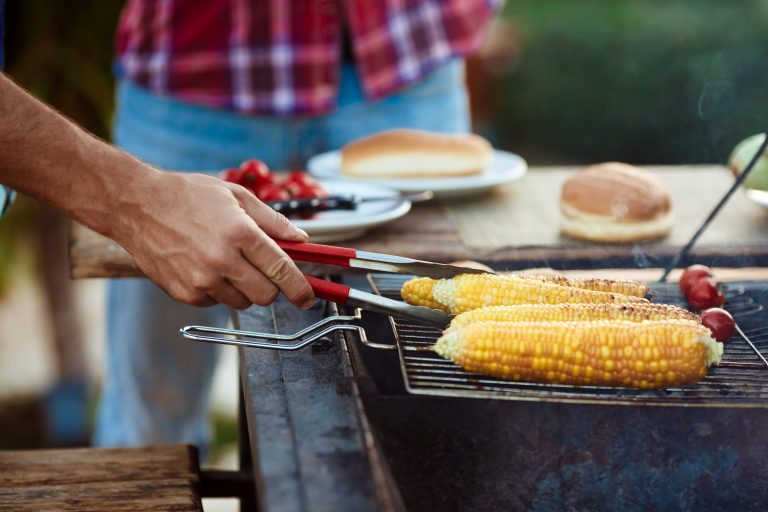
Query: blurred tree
62	53
635	80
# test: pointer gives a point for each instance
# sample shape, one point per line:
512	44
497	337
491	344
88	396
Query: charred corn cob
625	287
471	291
418	292
604	353
632	312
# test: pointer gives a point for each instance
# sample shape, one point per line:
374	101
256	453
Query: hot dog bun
404	153
615	202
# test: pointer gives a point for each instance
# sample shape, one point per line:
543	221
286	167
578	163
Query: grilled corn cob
604	353
418	292
471	291
632	312
623	286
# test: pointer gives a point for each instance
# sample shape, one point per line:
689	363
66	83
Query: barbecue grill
740	380
546	447
453	440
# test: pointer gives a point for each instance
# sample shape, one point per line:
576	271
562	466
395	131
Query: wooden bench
101	479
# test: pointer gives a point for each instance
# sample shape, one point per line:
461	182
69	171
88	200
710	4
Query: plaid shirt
2	29
6	194
282	57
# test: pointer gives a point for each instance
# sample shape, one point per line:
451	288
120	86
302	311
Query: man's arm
199	238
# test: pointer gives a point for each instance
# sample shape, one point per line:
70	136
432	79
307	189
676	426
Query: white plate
758	196
504	167
338	225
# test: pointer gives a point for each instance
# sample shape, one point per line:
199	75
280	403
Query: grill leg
248	495
215	483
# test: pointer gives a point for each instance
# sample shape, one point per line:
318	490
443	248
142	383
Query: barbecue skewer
739	180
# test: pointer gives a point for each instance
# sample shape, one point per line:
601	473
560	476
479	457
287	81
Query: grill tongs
342	295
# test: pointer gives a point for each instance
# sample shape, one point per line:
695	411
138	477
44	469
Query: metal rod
751	345
739	180
203	333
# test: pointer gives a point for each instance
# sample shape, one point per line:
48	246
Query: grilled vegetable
705	294
471	291
720	322
631	312
692	275
617	353
625	287
418	292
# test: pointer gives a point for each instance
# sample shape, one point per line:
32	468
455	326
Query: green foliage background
644	81
61	51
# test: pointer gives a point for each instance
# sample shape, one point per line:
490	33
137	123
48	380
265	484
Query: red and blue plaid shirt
282	57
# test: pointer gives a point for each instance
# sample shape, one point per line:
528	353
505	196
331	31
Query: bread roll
405	153
615	202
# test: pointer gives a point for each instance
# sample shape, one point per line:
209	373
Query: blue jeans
156	387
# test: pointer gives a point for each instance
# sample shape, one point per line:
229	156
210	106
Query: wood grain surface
427	232
97	479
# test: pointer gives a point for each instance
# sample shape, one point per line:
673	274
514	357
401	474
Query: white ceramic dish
338	225
758	196
504	168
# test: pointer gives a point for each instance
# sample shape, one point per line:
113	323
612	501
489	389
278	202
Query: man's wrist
119	196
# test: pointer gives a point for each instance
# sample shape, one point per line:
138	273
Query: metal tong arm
298	340
344	295
352	258
272	341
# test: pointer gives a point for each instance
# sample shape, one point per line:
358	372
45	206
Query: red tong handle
327	290
317	253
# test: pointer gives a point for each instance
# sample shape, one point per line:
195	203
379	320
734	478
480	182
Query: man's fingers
252	283
274	224
186	295
230	296
276	266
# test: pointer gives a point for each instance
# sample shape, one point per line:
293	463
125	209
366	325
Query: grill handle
287	342
317	253
327	290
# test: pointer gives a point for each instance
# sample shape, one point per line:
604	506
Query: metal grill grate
741	380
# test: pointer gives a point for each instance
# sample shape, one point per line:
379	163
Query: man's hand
200	239
206	241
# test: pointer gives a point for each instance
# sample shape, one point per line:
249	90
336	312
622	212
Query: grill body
556	449
466	454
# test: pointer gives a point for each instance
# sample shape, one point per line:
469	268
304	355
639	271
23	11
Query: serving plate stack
339	225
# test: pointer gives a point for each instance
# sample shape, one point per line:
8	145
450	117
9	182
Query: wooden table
309	444
101	479
738	237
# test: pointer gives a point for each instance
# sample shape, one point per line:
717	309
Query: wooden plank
94	255
740	231
307	443
92	465
136	495
101	479
527	213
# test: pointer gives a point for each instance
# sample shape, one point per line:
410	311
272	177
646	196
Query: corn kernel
585	353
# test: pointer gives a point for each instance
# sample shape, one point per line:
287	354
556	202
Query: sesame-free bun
615	202
403	153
